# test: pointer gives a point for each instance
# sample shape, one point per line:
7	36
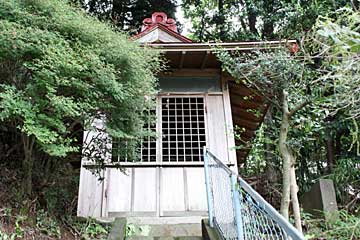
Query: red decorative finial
294	48
159	18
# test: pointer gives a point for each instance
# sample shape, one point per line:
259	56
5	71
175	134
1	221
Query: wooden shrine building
198	105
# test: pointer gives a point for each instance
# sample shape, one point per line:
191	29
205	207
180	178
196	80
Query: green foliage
19	231
254	20
268	73
90	229
94	229
326	75
47	225
50	226
60	67
336	40
335	44
346	179
296	18
345	227
210	19
256	162
5	236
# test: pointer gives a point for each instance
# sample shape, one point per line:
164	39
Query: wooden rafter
203	63
182	57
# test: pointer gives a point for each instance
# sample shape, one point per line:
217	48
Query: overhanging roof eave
234	46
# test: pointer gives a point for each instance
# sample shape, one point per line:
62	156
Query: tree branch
285	107
298	107
258	90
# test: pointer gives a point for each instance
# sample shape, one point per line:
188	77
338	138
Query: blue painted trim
237	207
208	188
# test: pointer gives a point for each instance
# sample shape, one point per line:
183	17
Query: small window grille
183	129
182	134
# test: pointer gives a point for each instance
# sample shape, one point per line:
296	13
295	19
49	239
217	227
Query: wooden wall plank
119	190
90	195
248	114
240	102
144	190
216	125
247	124
229	124
196	189
172	190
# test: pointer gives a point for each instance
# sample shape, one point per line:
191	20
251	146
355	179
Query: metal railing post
208	188
242	213
237	207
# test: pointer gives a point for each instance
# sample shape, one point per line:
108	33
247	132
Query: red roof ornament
159	18
160	21
294	48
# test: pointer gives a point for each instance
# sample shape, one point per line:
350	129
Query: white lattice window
181	133
183	129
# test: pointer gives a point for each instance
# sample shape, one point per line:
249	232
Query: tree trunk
268	28
270	172
47	170
304	168
285	155
27	165
252	18
330	153
294	197
338	137
330	144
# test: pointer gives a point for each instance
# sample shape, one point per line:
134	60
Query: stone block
320	201
118	229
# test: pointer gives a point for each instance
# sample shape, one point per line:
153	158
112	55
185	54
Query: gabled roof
159	28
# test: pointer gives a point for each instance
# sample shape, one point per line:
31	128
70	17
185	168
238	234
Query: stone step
155	231
166	230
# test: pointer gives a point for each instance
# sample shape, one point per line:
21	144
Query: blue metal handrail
236	210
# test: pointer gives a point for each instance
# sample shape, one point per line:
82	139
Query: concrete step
165	220
156	231
166	230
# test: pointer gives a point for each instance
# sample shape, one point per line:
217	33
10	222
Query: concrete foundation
208	233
